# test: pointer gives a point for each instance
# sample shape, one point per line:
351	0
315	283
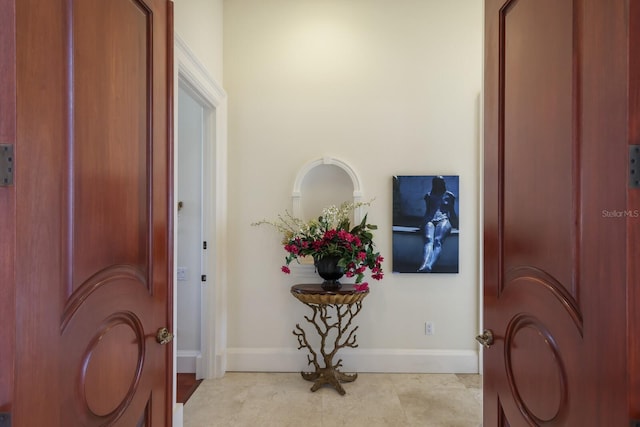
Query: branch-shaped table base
335	332
329	376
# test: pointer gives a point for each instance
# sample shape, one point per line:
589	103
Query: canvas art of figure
425	224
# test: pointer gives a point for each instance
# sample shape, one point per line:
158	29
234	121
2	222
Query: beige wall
199	24
390	87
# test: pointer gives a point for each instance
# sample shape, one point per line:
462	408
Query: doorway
207	101
191	242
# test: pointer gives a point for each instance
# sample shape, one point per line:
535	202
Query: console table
335	332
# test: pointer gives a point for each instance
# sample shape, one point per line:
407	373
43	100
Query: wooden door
93	247
559	216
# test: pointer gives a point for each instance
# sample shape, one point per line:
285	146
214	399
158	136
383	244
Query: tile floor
373	400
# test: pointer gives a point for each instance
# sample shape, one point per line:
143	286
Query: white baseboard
178	415
188	361
357	360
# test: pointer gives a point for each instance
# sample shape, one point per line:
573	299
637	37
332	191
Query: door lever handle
486	339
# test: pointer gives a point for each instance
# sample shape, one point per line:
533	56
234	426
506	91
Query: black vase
327	267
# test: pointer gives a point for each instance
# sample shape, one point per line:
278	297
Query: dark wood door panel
540	318
111	139
93	253
538	143
537	313
555	266
543	336
109	340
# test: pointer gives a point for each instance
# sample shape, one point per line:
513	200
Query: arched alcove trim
296	195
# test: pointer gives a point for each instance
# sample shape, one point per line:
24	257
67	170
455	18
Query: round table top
313	293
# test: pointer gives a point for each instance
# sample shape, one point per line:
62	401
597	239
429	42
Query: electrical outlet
182	274
429	328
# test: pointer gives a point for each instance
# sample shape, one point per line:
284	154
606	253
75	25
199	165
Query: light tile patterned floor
373	400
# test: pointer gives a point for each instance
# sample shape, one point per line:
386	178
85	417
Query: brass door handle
486	339
164	336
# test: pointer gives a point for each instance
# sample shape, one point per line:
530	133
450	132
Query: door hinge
204	245
204	277
5	419
6	167
634	166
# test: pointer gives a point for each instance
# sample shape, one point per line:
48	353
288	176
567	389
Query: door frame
192	74
480	223
7	205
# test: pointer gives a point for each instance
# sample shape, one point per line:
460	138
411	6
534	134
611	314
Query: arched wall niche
320	183
323	182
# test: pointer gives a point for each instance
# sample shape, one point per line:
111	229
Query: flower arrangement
331	235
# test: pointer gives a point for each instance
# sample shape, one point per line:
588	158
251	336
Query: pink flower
286	269
362	255
292	249
330	234
361	287
346	236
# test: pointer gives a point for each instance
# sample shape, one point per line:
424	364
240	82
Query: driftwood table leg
328	376
345	336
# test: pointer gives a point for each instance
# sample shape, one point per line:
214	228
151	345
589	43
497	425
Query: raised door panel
111	145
